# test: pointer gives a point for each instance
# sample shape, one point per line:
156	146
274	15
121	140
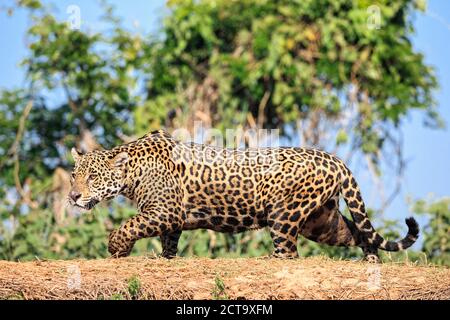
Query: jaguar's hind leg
284	235
285	223
371	254
327	225
169	242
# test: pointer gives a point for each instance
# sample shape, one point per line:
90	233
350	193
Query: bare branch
261	109
14	151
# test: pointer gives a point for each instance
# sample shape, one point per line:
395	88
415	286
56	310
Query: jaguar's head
97	175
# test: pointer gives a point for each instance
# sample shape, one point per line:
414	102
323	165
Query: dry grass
201	278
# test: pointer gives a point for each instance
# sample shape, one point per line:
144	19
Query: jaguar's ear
76	154
120	160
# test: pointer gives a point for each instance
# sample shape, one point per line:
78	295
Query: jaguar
180	186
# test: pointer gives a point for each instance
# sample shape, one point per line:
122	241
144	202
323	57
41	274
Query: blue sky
427	151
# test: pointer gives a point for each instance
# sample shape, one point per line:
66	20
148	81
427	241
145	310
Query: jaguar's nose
74	195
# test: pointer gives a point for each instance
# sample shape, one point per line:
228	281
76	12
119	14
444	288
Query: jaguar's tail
352	196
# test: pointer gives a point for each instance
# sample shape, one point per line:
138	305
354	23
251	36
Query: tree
312	67
78	92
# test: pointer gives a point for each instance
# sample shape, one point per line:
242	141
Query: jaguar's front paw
117	246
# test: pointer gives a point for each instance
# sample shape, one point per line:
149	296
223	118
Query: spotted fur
183	186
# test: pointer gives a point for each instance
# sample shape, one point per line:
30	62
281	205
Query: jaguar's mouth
85	206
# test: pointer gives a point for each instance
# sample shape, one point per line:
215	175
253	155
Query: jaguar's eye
92	177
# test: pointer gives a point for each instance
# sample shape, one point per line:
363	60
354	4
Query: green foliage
307	56
238	63
92	78
210	244
134	287
117	296
218	291
37	235
18	296
436	234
